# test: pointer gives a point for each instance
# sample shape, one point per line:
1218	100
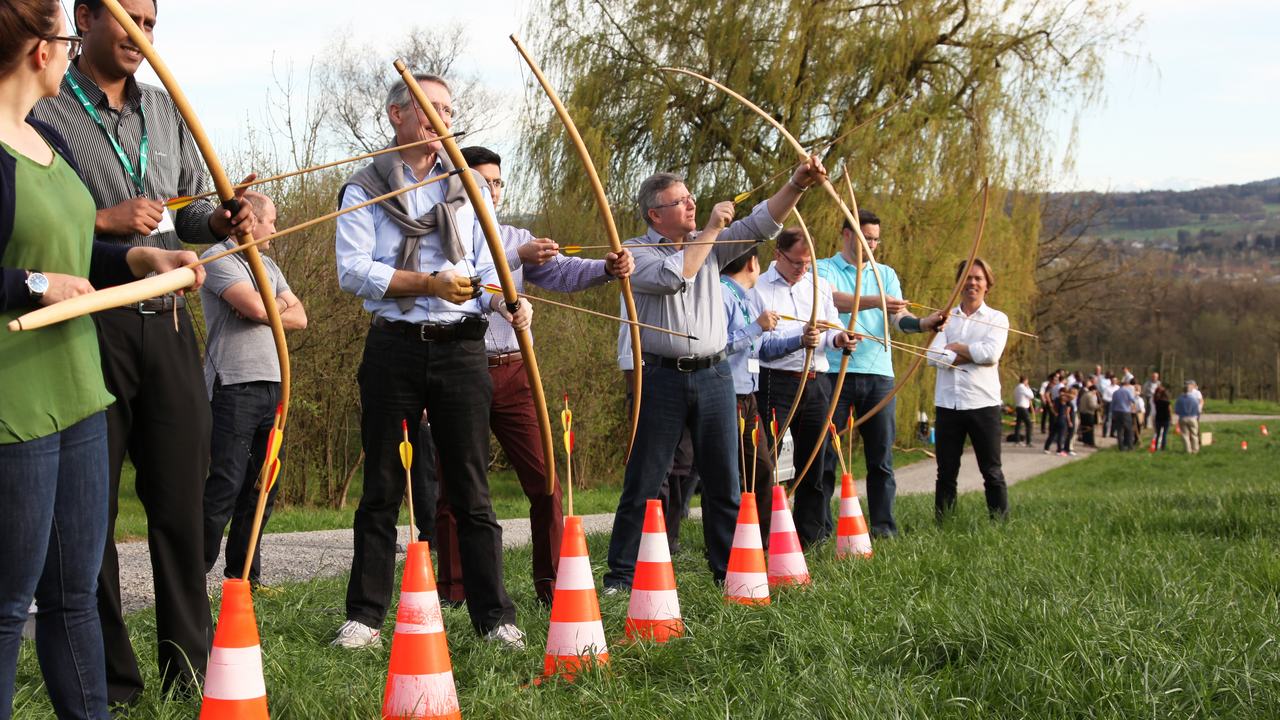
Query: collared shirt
368	241
1105	389
1122	400
1022	396
1187	406
974	385
665	298
561	274
777	294
1149	388
871	358
174	165
747	340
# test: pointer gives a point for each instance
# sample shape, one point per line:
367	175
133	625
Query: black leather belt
688	363
469	329
164	303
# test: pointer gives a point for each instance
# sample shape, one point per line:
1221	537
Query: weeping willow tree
982	87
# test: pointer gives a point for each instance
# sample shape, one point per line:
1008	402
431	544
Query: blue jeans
243	414
705	402
53	527
861	392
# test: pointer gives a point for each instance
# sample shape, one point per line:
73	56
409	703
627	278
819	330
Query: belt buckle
680	363
143	311
422	331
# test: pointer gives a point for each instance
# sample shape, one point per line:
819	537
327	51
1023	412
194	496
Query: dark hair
865	217
95	7
22	21
739	263
789	238
986	270
476	155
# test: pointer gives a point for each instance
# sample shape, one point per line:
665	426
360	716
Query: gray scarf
386	174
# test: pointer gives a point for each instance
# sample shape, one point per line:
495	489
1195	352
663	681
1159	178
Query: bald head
265	210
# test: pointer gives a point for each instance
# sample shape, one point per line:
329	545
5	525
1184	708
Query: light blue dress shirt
746	338
368	241
871	358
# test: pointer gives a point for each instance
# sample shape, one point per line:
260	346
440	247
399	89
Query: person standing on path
1022	396
870	371
411	259
1163	416
968	398
788	286
1060	425
1148	394
1187	408
135	152
1122	414
1088	402
688	381
242	374
1046	400
1106	388
54	478
512	416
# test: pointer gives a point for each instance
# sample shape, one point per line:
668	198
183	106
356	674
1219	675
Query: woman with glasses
53	435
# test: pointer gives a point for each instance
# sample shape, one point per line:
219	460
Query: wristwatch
37	285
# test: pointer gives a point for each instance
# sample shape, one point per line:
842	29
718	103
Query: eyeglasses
497	184
443	110
691	199
795	264
73	44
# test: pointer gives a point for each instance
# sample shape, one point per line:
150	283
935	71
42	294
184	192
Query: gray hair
649	189
399	93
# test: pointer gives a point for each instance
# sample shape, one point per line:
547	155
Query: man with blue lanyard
135	153
870	375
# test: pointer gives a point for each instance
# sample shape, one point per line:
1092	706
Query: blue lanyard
136	177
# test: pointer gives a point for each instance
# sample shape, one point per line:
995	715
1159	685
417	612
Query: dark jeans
1022	419
1088	422
399	378
1057	433
1162	433
861	393
812	509
764	469
984	428
243	414
703	401
161	418
1122	426
53	524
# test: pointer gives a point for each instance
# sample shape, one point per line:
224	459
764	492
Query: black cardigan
107	265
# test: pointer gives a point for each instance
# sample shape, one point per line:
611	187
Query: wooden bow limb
984	322
611	229
223	185
173	280
808	352
484	214
575	308
572	249
186	200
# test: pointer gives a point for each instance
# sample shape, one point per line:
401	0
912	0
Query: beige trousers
1190	433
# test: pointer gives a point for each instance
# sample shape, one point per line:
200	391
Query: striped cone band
654	609
787	565
420	674
747	579
234	688
575	639
852	537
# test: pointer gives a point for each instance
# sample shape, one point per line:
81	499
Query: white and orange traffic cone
1244	444
420	677
575	640
1153	445
786	559
233	686
747	579
852	537
654	611
1264	430
1177	429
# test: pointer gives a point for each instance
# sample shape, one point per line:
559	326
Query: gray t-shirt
237	351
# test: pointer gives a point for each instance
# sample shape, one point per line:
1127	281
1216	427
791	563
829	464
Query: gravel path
292	557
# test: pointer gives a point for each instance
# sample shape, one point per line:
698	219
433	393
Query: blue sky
1203	111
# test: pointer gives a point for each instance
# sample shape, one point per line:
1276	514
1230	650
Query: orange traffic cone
420	677
1178	429
747	581
654	611
1244	445
233	686
786	559
1153	445
576	638
1264	430
852	537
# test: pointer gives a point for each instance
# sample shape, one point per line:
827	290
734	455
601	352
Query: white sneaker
355	635
509	635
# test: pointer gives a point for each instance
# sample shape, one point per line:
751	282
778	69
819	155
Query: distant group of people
1072	405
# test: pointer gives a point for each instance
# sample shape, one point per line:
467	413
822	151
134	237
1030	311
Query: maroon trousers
514	421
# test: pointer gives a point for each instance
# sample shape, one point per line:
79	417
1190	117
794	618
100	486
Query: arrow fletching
275	473
177	203
568	441
755	437
492	289
742	196
406	455
742	425
571	249
773	424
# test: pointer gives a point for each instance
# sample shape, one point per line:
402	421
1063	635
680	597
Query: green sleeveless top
50	378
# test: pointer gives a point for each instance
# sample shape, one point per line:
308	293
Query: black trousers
1023	416
984	427
161	418
812	508
399	378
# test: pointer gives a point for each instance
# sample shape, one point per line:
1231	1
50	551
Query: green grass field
1242	407
1125	585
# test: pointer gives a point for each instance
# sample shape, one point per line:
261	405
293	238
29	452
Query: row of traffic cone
420	680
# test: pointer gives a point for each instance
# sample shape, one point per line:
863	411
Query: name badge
166	223
753	366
